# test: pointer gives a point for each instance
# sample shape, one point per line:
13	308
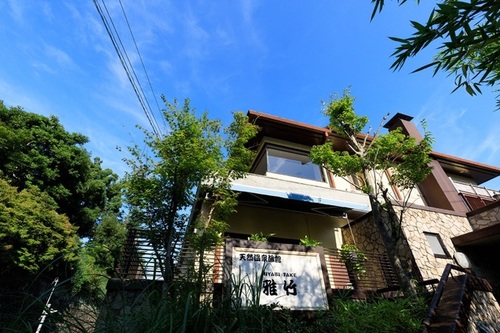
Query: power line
140	57
127	65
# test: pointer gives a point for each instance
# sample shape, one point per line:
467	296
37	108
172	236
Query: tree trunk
403	273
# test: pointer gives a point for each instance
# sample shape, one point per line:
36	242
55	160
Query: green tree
99	257
32	235
161	188
37	152
469	34
367	161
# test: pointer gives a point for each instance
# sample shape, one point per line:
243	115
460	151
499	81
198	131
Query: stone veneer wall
367	238
447	224
484	313
485	216
125	298
413	247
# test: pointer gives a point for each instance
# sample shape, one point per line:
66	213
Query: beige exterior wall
462	179
285	224
341	183
414	196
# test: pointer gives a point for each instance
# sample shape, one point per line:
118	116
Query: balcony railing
475	190
475	196
376	273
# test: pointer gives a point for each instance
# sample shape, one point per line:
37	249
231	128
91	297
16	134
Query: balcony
475	196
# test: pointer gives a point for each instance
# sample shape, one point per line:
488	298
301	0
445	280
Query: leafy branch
469	33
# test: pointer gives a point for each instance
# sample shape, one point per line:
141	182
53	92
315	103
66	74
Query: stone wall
365	235
485	216
446	224
124	299
412	246
484	313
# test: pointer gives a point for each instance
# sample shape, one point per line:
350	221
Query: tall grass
179	308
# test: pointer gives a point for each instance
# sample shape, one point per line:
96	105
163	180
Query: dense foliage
51	194
37	152
32	233
99	257
469	34
155	312
369	157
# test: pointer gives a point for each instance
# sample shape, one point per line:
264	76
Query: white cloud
22	12
43	67
248	7
118	78
46	10
62	59
489	150
462	131
17	9
197	46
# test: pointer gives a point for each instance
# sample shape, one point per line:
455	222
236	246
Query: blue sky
278	57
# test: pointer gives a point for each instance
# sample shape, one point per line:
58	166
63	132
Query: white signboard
291	279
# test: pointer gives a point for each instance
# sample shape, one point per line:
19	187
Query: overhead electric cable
140	57
127	66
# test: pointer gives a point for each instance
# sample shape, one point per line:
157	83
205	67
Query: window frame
436	236
263	165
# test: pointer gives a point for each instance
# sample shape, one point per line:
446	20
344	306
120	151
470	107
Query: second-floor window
289	162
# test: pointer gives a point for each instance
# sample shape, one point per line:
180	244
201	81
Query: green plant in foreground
152	309
400	315
353	258
306	241
260	237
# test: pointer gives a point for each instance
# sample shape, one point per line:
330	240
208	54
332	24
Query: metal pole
46	309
